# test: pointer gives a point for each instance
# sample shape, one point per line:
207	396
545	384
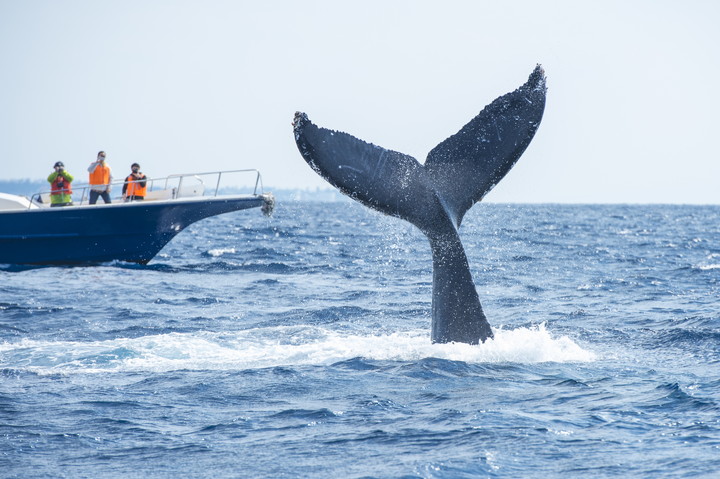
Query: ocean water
298	346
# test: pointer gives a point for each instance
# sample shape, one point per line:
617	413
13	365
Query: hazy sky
632	112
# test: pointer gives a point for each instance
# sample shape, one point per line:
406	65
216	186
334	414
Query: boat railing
171	187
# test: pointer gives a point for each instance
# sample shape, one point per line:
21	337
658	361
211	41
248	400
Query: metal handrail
36	198
258	178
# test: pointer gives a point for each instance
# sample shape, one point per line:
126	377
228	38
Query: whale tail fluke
467	165
385	180
435	196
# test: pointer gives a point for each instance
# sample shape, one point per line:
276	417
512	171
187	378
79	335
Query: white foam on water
278	346
217	252
708	267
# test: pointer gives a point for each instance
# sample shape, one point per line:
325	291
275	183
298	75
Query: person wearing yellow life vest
100	179
135	185
60	188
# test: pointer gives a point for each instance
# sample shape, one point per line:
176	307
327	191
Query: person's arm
92	166
52	176
125	185
142	180
68	176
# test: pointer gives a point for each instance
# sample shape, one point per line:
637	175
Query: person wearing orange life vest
60	189
100	179
135	185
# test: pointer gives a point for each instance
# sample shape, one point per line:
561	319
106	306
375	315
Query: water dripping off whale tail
435	196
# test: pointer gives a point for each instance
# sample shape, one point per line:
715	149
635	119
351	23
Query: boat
33	233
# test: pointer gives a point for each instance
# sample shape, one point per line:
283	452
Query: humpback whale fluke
435	196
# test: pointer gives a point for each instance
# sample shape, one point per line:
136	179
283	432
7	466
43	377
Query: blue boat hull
133	232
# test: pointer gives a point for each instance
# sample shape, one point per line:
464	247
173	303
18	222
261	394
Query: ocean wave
279	346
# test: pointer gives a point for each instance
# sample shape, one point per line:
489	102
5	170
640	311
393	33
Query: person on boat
135	185
60	188
100	179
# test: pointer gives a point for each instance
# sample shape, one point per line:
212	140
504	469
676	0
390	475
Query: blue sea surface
299	346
